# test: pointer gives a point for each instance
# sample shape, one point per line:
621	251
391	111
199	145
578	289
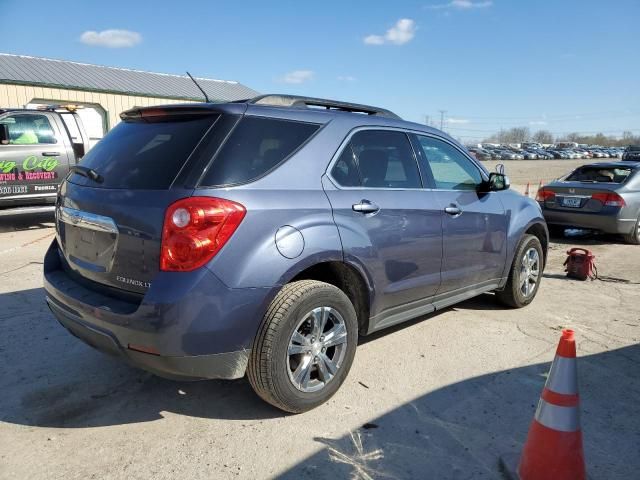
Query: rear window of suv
256	146
143	155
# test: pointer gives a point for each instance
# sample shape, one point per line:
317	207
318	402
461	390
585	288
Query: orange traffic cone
526	192
553	449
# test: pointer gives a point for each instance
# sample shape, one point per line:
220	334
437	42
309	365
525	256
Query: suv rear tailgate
113	236
109	227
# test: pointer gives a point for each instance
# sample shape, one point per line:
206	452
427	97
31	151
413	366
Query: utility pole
426	120
442	114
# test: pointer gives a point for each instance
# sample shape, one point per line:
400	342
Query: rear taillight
611	199
195	229
545	194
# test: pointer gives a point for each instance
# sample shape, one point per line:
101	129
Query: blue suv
263	237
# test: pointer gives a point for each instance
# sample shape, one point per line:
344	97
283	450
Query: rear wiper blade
90	173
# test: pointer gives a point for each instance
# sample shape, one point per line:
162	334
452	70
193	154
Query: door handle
50	154
365	206
453	210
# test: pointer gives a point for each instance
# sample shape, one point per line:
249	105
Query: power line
543	122
567	116
442	113
495	130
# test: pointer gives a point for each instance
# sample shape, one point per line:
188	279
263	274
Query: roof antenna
200	88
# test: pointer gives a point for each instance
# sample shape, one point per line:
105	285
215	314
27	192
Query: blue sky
563	65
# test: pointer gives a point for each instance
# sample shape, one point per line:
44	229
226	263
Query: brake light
611	199
153	112
544	195
195	229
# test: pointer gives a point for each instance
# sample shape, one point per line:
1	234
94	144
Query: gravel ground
446	394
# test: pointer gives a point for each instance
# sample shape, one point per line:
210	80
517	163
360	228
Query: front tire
305	346
525	274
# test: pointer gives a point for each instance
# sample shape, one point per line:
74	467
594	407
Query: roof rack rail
307	102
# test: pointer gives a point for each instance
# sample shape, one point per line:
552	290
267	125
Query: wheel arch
347	278
539	230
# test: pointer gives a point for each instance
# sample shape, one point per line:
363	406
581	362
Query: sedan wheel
634	237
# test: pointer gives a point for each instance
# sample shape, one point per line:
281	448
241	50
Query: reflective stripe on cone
556	417
562	377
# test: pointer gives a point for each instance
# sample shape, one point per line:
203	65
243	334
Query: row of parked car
507	152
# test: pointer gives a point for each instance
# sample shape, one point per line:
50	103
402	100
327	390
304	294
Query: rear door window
345	171
385	159
256	146
142	155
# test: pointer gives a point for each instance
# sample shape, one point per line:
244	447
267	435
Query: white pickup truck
37	150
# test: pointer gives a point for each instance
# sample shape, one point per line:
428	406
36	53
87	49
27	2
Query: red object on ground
526	192
580	264
553	449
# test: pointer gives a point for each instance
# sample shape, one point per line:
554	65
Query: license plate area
89	249
571	202
87	240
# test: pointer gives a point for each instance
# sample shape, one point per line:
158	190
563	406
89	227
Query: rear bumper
604	222
228	365
196	326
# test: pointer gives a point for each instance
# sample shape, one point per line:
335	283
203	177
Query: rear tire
525	274
634	237
292	366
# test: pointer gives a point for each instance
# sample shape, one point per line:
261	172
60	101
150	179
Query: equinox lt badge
133	281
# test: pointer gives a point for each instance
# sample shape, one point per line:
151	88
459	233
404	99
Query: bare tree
522	134
513	135
543	136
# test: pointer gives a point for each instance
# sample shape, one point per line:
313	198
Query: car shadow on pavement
26	222
54	380
485	301
50	379
459	431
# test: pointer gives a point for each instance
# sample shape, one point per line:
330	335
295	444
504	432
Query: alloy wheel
317	349
529	272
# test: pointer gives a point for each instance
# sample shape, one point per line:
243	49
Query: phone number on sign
4	190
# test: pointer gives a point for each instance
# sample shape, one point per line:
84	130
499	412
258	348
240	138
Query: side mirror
498	182
4	134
